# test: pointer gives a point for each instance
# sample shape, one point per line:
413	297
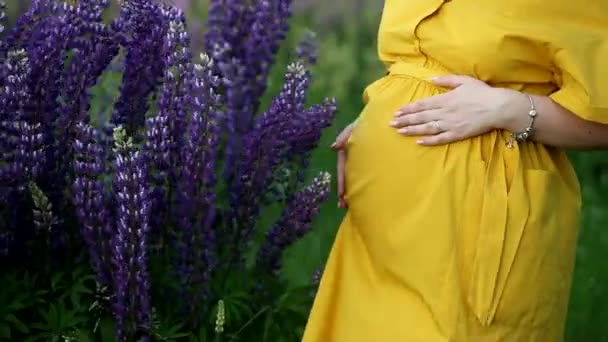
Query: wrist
512	111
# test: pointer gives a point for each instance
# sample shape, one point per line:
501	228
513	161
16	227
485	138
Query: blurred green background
346	31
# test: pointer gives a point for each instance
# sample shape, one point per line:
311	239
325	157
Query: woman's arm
473	108
554	125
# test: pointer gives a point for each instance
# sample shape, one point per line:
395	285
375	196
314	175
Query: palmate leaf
16	323
81	284
167	330
57	321
238	308
172	333
12	301
29	288
57	281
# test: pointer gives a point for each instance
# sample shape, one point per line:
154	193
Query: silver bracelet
525	134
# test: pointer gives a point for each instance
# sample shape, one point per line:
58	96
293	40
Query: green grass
589	306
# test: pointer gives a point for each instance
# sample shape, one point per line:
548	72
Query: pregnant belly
474	207
378	155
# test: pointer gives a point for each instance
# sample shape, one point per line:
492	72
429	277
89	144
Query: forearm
554	125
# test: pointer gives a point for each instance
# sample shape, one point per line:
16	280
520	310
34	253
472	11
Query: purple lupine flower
295	221
90	202
56	29
267	145
307	48
21	148
144	30
306	135
2	20
175	90
244	38
25	25
268	28
196	188
228	22
317	275
164	131
316	280
90	57
132	307
47	33
157	150
21	140
182	80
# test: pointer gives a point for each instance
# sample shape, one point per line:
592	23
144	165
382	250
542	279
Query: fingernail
393	123
333	145
420	142
402	130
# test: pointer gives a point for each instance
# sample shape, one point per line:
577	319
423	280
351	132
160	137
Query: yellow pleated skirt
471	241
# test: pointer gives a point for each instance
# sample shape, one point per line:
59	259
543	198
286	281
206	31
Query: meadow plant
162	201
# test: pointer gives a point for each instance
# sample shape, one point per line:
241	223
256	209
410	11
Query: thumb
342	138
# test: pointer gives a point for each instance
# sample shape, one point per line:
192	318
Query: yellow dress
471	241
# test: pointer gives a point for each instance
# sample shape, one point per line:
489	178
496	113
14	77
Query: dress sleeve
581	59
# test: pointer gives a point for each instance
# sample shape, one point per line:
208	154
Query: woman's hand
470	109
340	146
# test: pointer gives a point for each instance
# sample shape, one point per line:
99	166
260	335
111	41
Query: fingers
427	128
418	106
439	139
423	105
415	119
341	179
342	138
339	145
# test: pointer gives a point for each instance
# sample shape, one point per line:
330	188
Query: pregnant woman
462	207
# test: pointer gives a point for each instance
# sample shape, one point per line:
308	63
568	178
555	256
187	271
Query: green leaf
267	326
17	302
16	323
53	316
43	336
237	308
106	330
202	335
40	326
56	281
173	332
84	336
